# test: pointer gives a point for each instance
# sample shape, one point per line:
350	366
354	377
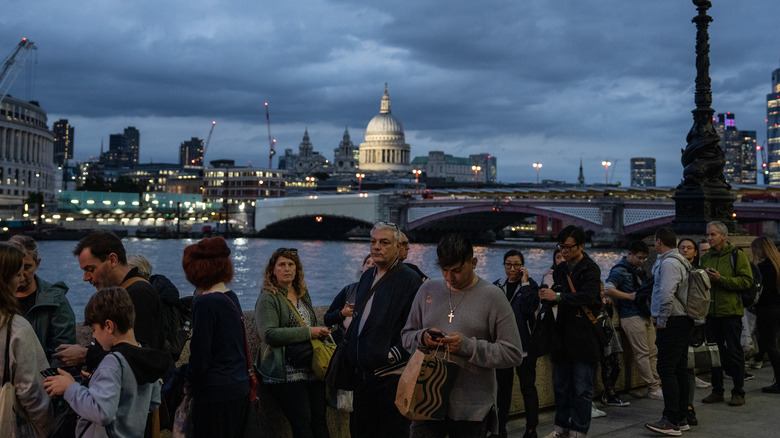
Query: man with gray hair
724	321
382	302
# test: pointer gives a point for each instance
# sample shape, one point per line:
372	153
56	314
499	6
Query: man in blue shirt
622	283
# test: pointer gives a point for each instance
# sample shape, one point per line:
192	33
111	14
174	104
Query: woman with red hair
217	375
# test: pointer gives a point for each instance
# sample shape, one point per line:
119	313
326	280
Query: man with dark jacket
103	259
44	304
724	321
576	290
382	303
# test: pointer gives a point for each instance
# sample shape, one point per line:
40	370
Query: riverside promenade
760	416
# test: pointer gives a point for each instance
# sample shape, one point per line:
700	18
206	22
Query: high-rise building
63	141
643	172
739	148
133	143
191	153
773	129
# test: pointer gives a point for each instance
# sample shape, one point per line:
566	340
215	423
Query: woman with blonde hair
21	357
768	306
286	324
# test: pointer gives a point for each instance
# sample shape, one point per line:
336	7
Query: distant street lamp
476	170
360	179
416	173
606	165
537	166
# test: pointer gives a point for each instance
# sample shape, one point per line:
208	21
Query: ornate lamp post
416	173
606	165
360	177
476	170
704	195
537	166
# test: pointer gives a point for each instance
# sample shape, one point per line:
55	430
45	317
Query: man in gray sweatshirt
674	328
479	332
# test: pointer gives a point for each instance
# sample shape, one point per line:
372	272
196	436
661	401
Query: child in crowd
124	387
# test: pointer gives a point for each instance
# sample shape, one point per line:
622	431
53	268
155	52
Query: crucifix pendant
451	315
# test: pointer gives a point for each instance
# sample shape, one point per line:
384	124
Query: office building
441	168
123	149
773	129
488	172
643	172
191	153
63	141
739	148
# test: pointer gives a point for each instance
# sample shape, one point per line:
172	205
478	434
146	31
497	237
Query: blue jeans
672	342
726	331
573	386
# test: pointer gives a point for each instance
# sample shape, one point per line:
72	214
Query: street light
537	166
606	165
360	179
416	173
476	170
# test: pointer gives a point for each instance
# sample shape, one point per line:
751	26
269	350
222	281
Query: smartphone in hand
436	334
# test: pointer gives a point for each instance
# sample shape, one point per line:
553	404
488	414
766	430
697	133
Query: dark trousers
374	413
767	326
726	331
220	419
448	428
573	386
505	378
304	404
672	342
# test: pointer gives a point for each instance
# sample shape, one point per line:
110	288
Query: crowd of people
491	331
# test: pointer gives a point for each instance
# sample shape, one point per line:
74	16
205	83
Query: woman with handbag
22	359
287	324
217	376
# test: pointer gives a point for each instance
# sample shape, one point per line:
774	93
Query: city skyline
529	82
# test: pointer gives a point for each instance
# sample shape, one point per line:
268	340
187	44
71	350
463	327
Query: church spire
385	109
581	178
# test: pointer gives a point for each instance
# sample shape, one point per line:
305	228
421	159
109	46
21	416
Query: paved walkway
759	416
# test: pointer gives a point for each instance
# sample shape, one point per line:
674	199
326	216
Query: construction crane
13	64
764	165
208	140
271	141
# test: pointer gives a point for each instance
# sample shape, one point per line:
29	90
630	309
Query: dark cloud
527	81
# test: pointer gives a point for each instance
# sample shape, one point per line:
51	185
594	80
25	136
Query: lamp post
416	173
476	170
606	165
537	166
360	177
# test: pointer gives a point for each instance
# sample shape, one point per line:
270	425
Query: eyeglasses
513	265
389	224
567	248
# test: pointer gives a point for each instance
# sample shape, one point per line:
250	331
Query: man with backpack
622	283
724	321
674	327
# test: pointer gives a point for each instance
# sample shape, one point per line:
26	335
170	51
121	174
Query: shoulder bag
321	352
602	330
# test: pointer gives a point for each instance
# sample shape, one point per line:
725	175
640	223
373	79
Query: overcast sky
526	81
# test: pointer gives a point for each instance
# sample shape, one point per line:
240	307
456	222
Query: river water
328	265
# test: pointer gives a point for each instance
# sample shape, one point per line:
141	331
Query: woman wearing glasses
523	295
286	323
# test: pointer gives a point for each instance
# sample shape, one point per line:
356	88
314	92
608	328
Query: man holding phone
470	319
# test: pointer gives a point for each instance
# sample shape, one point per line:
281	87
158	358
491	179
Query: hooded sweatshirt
122	391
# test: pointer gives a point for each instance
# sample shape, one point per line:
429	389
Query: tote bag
424	387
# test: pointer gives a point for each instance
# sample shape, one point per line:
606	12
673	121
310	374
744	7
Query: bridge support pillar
547	227
612	232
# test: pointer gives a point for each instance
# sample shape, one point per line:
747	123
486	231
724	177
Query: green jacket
725	292
52	318
277	329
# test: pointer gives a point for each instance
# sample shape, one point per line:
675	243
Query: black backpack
176	313
644	295
750	295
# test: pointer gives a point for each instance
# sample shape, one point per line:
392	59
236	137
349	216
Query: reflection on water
328	266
